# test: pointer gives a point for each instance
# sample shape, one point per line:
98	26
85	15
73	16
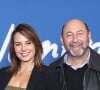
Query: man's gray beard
77	53
80	52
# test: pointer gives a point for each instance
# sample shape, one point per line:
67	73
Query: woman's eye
29	43
17	44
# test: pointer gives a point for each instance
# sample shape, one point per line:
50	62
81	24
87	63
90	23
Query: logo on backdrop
47	46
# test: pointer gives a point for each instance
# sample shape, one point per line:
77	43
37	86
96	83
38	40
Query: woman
26	71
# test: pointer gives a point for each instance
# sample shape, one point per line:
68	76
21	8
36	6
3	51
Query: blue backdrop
47	17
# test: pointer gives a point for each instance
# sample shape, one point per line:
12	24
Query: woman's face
24	48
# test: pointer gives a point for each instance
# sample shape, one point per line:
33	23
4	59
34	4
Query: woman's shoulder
4	73
51	78
49	71
47	68
4	70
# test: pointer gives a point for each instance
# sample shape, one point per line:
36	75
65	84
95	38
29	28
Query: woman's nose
23	47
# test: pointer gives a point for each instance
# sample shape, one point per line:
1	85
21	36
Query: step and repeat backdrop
47	17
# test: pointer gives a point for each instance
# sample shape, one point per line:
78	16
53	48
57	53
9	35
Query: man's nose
75	38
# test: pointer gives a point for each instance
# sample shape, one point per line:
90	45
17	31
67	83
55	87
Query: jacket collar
94	61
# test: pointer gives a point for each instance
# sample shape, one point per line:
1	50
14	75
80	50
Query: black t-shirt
74	78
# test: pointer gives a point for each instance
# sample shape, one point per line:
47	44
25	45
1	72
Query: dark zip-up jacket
91	76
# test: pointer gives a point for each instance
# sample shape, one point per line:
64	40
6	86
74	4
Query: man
79	67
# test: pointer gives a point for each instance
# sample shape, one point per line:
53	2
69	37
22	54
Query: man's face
75	38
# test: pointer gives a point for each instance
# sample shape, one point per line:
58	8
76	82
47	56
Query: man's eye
80	33
68	35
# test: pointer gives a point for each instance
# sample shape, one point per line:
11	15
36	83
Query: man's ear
61	39
90	36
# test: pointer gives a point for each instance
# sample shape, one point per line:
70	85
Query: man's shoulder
95	60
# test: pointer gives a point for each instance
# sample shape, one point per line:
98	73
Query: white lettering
6	42
95	45
47	47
